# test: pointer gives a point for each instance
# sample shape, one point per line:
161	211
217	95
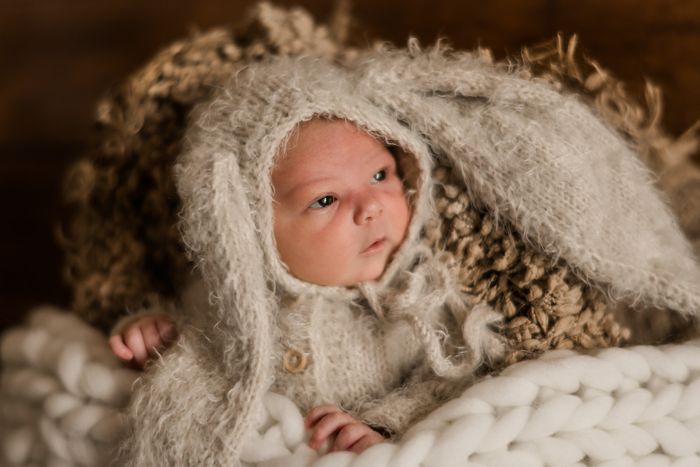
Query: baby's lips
377	242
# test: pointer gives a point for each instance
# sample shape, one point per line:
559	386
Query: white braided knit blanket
62	392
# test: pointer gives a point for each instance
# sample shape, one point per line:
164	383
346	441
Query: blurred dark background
58	57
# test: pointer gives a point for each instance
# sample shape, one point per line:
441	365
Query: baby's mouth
377	245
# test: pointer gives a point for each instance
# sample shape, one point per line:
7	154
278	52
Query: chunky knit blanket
62	393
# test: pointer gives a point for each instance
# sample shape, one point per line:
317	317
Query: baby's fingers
116	343
327	426
349	435
318	413
134	340
166	329
151	338
366	441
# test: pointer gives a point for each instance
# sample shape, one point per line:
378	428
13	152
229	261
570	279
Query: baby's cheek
320	256
400	216
336	241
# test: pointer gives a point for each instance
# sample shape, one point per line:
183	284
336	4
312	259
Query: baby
321	286
303	207
340	212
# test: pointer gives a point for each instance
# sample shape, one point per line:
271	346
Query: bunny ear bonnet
535	157
224	180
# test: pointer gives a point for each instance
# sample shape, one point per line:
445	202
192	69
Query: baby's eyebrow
294	190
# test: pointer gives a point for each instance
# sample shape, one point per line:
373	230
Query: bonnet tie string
430	286
369	291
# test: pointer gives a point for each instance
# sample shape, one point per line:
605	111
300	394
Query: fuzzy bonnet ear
550	166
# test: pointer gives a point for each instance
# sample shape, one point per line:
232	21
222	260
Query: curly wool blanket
62	393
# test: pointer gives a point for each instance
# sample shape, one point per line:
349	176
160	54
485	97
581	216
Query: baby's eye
379	176
323	202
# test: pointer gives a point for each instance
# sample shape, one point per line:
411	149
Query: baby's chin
371	274
363	272
365	275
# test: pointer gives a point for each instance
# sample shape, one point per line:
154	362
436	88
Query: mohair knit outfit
539	160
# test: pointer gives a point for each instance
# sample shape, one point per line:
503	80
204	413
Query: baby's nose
368	209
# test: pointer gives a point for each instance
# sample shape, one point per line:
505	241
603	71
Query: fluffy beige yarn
536	158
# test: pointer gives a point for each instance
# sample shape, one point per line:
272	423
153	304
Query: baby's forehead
319	130
329	140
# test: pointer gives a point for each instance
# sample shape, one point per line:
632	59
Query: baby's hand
142	338
351	435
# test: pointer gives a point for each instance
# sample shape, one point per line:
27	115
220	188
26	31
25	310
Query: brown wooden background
58	56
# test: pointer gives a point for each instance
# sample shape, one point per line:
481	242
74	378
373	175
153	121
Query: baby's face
339	205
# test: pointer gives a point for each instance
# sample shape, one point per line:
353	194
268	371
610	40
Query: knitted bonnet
224	180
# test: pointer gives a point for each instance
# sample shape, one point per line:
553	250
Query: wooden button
294	361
